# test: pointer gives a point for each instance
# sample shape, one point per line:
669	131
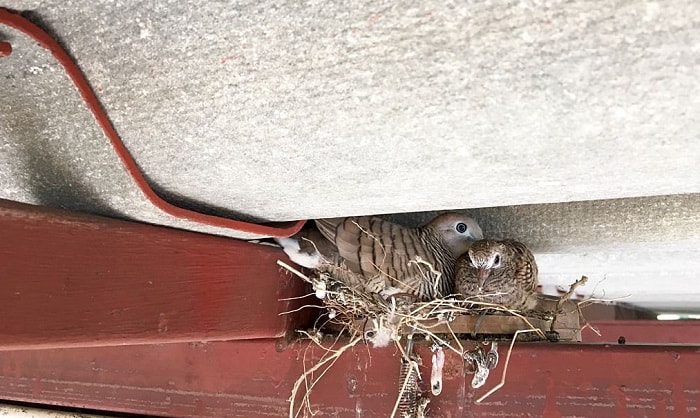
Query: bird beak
481	275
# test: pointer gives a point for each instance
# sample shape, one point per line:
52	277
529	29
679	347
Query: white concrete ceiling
284	110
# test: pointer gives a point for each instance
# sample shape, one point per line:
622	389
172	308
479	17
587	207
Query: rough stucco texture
644	251
286	110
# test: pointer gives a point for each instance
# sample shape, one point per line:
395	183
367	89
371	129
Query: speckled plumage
500	272
377	255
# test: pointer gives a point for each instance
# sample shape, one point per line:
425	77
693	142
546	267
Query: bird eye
461	227
497	260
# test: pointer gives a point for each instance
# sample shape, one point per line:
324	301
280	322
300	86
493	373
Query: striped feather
386	254
511	283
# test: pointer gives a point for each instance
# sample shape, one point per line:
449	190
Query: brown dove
500	272
379	256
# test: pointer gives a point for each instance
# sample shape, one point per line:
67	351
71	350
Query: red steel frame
255	377
115	315
77	280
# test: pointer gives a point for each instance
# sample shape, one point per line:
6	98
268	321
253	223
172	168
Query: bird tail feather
305	259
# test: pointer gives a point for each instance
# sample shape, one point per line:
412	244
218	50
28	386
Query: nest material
383	320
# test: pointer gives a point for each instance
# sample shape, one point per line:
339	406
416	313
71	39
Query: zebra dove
499	272
378	256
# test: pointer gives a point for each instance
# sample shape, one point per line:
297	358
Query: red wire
45	40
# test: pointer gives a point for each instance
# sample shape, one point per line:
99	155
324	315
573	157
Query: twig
381	245
595	330
317	341
505	366
307	395
293	270
565	297
300	308
440	340
583	304
436	275
461	348
323	257
318	365
592	300
580	282
595	288
306	401
295	297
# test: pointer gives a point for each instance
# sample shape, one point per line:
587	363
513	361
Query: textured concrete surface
284	110
645	251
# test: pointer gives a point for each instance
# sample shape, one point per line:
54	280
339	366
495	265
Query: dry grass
386	318
395	319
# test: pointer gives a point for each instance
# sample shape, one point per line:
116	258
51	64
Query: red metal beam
645	332
254	378
78	280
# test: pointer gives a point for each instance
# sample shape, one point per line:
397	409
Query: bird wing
371	246
312	240
525	266
328	227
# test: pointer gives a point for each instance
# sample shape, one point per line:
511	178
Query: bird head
457	230
486	257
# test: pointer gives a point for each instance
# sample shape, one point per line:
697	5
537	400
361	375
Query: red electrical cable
45	40
5	49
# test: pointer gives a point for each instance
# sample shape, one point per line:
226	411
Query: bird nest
445	322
